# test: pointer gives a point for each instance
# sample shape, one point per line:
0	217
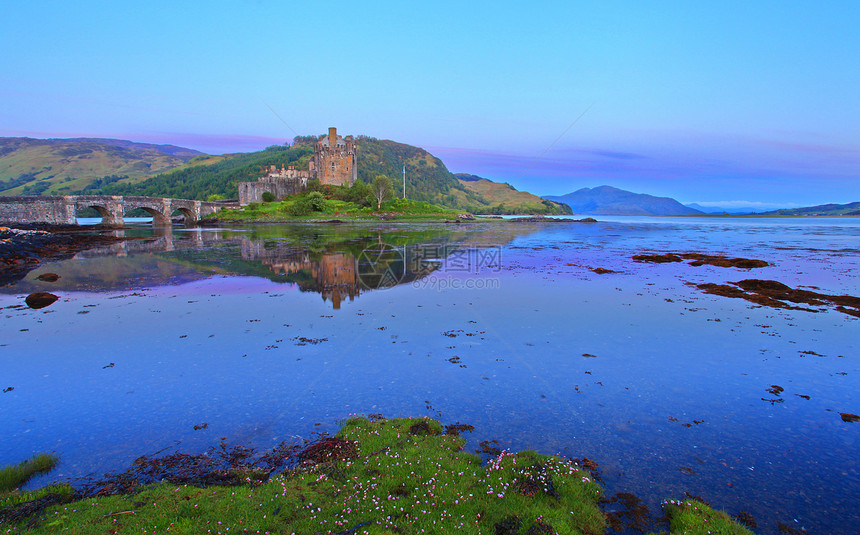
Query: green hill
427	178
63	166
219	178
117	167
502	198
852	208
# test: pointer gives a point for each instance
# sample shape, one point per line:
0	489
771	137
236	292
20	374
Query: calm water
276	332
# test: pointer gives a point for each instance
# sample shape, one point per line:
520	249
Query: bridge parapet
35	209
61	210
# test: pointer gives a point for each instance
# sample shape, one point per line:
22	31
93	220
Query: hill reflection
338	263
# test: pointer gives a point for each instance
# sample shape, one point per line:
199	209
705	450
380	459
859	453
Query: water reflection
334	275
339	264
341	273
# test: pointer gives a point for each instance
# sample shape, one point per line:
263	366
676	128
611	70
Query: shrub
301	206
316	201
268	196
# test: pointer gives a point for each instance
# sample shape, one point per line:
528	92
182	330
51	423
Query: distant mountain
606	200
852	208
723	209
180	152
63	166
704	210
502	198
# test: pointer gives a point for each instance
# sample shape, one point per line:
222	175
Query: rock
778	295
699	259
40	299
657	258
850	418
48	277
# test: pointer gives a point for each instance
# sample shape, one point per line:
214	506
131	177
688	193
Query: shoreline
24	249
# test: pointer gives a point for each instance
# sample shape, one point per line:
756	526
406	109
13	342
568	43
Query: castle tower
334	160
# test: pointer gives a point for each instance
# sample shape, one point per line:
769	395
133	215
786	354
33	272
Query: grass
397	210
13	476
380	476
691	517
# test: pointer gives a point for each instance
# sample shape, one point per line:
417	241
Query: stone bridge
62	210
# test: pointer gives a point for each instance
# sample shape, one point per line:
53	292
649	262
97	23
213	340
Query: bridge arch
187	213
81	211
109	211
158	218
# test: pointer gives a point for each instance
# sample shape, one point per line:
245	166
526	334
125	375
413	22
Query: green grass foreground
387	476
695	518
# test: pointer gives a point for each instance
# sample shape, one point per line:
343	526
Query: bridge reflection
156	240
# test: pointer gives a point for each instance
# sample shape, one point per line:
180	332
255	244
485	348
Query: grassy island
371	202
379	476
310	207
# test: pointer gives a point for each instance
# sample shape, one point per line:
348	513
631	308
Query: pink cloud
212	143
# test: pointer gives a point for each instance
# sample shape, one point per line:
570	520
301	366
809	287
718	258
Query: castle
333	163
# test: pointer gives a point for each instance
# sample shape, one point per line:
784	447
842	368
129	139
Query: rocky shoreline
23	249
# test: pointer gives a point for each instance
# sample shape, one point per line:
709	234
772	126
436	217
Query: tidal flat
543	337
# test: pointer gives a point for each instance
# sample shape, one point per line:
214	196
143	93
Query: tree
359	192
381	190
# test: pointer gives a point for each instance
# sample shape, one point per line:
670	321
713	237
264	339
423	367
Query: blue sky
748	102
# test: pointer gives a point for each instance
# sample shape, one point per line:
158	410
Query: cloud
617	155
212	143
209	143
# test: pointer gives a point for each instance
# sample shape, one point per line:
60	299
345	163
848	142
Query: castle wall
279	187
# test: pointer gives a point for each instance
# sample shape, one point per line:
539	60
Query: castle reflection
342	274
